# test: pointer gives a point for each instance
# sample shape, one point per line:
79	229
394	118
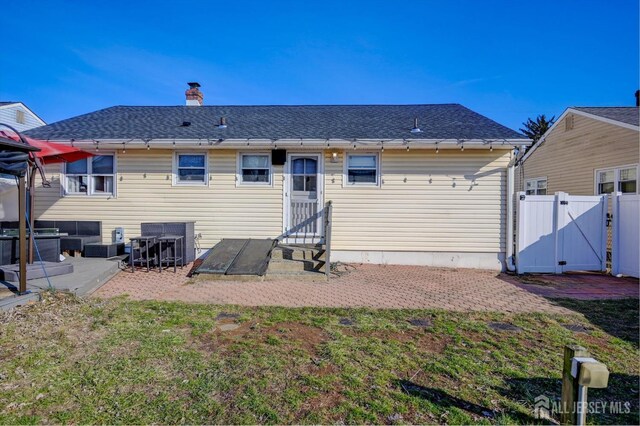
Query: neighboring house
588	151
21	118
18	116
430	192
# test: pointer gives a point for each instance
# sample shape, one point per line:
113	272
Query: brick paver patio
376	286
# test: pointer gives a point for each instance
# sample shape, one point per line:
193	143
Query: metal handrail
328	208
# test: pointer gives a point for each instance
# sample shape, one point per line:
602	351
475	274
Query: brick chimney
194	95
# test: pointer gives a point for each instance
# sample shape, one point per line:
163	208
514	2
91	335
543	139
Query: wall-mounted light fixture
334	157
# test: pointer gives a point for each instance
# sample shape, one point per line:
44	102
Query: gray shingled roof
628	115
445	121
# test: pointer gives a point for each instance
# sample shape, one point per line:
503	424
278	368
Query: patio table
148	242
171	241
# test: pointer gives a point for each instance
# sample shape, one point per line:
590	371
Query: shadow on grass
447	401
617	317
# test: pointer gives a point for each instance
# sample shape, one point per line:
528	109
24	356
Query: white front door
303	198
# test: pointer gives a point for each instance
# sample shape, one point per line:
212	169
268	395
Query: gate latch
564	203
562	262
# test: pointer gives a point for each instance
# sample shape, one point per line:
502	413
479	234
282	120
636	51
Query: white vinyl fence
625	242
561	232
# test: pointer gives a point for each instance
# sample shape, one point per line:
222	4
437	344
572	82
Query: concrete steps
292	260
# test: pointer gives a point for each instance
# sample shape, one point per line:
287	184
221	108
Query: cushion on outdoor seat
77	242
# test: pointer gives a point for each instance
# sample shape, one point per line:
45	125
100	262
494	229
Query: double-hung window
191	169
363	169
255	169
621	179
537	186
91	176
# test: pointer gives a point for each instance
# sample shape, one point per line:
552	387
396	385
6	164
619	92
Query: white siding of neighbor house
448	202
8	116
569	158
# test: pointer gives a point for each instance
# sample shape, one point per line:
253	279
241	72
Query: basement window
91	176
537	186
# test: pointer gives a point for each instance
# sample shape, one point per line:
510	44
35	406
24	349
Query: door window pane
310	166
311	184
298	166
298	183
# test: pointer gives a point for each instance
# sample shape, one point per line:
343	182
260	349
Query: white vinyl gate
625	241
561	232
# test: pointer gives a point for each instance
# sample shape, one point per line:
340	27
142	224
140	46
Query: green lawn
67	360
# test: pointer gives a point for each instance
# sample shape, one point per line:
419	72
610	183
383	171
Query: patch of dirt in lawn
422	339
291	334
321	402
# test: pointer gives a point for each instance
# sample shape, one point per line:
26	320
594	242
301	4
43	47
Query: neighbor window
255	169
91	176
362	169
536	186
191	169
622	179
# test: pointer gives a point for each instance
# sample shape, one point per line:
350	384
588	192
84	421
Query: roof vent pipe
416	129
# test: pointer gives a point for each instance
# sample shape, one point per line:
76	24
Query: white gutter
296	143
509	258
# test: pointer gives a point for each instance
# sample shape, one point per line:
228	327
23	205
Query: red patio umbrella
50	153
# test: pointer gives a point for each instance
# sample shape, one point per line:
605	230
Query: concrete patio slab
88	275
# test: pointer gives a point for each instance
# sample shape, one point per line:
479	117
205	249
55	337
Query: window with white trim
191	169
621	179
255	169
91	176
363	169
537	186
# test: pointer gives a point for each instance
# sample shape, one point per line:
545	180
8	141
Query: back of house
409	184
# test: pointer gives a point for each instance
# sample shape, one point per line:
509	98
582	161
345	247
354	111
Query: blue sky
508	60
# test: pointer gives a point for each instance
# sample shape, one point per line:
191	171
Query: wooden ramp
238	257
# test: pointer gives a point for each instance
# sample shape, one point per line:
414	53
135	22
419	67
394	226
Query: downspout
509	259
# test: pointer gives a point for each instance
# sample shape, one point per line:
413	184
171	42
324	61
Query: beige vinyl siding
145	194
451	201
569	158
447	202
